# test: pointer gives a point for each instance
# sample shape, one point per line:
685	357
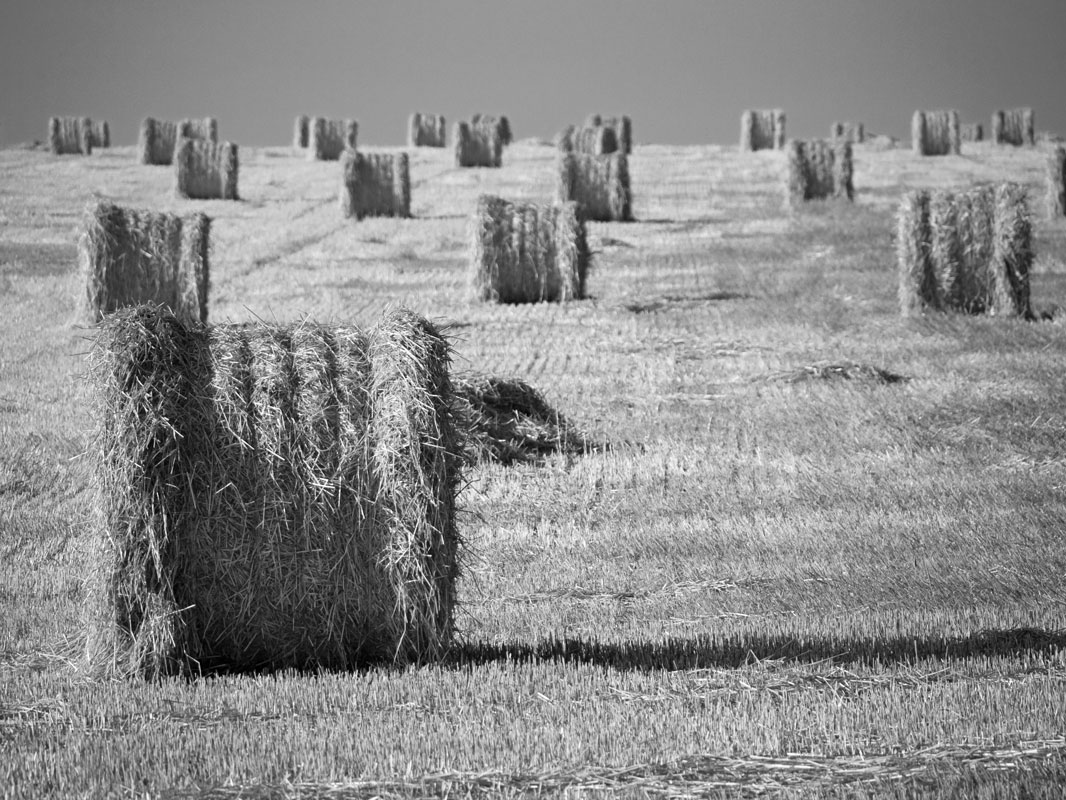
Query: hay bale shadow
843	370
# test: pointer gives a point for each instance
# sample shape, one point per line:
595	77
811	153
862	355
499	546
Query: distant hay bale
854	132
477	146
501	124
129	257
596	140
375	185
206	170
762	130
331	137
270	496
426	130
622	127
300	131
1056	183
881	141
1013	126
70	136
968	252
527	252
206	129
972	132
598	184
157	140
935	133
99	133
819	169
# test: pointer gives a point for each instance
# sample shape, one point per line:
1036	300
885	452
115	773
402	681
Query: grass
819	587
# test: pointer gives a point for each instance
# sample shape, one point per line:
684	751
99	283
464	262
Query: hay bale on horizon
971	132
206	170
854	132
935	133
762	130
375	184
501	124
300	134
130	256
426	130
621	127
477	145
99	133
270	496
819	169
596	140
206	129
527	252
1056	183
1014	126
156	141
598	184
70	136
329	138
968	251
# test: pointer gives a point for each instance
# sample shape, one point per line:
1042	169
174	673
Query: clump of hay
270	496
968	252
762	130
477	145
1013	126
597	140
598	184
501	124
206	170
972	132
206	129
157	140
835	371
854	132
300	136
329	138
375	185
935	133
99	133
1056	183
819	169
527	252
129	257
426	130
70	136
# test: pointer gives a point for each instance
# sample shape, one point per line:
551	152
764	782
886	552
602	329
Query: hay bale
1013	126
477	146
156	141
527	252
935	133
128	257
300	131
426	130
819	169
206	129
501	124
972	132
331	137
376	184
622	127
70	136
99	133
854	132
598	184
762	130
1056	183
597	140
270	496
206	170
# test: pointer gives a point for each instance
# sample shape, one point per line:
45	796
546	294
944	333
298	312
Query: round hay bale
331	137
598	184
1014	126
206	170
156	141
935	133
375	184
477	145
762	130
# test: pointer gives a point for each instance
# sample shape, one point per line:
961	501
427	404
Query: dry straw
206	170
270	496
598	184
1056	183
762	130
972	132
426	130
621	127
968	252
206	129
300	131
375	185
329	138
527	252
128	257
501	124
597	140
854	132
477	145
70	135
1013	126
100	133
819	169
935	133
157	140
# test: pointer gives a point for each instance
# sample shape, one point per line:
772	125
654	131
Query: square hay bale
854	132
1013	126
156	141
598	184
129	257
527	252
972	132
206	129
819	169
375	185
330	138
270	496
1056	183
99	133
477	145
206	170
501	124
70	136
426	130
762	130
300	132
597	140
935	133
969	251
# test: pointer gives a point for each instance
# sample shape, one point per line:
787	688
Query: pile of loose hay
329	138
598	184
527	252
477	145
762	130
206	129
501	124
819	169
1013	126
1056	183
128	257
854	132
206	170
969	251
832	371
270	496
300	135
426	130
972	132
70	136
157	140
935	133
375	185
99	133
596	140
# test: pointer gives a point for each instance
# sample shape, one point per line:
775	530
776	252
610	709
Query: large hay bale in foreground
300	135
968	252
527	252
971	132
426	130
70	136
129	257
762	130
598	184
1014	126
206	129
501	124
596	140
854	132
818	169
99	133
935	133
1056	183
375	185
270	496
330	138
157	140
206	170
477	145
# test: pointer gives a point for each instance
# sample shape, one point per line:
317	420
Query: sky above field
683	70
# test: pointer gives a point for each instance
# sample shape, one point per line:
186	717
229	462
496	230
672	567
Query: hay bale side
1056	183
70	136
477	145
206	170
972	132
1012	252
623	131
300	131
854	132
762	130
598	184
595	140
331	137
206	129
916	283
376	184
426	130
819	169
935	133
1014	126
156	141
99	133
501	124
